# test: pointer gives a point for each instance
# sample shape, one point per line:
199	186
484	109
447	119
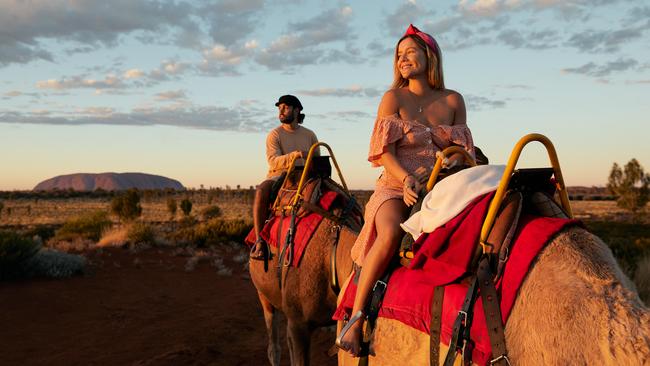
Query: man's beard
287	120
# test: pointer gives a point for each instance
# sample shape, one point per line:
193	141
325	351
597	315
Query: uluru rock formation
108	182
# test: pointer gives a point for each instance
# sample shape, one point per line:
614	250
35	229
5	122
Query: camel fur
306	298
575	307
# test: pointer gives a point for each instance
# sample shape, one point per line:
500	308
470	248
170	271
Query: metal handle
446	153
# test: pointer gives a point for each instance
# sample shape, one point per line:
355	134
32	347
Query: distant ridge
108	182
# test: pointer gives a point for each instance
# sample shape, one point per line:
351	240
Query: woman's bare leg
389	234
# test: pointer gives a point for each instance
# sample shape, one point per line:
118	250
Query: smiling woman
417	118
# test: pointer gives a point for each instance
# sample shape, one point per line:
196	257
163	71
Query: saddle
320	169
529	191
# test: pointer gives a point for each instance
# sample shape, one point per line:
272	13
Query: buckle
502	357
464	314
379	283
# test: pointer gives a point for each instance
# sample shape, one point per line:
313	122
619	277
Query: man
284	143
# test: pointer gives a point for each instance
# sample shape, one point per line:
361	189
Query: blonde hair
434	65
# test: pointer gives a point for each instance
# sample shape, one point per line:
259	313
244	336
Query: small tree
172	207
2	205
186	206
126	206
630	185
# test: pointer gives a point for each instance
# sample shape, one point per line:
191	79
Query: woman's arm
388	106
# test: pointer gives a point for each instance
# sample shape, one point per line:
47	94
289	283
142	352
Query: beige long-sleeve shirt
280	143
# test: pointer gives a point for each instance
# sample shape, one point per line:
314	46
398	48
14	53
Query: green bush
126	206
15	251
213	232
171	207
139	233
186	206
211	212
89	226
51	263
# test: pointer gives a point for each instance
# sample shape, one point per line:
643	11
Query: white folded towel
451	195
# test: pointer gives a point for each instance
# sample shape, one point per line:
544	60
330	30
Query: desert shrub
45	232
631	185
186	206
88	226
15	251
139	233
213	232
171	207
126	206
211	212
628	241
54	264
642	278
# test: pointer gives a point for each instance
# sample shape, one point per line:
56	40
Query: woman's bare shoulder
389	104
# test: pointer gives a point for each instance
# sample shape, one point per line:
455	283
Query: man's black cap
289	100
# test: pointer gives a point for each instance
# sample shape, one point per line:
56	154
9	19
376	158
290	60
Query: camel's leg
299	339
272	321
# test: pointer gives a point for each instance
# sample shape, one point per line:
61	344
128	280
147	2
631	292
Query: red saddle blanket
304	229
442	258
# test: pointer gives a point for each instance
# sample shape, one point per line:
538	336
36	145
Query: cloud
604	41
171	95
232	20
77	82
405	14
237	118
479	103
131	78
90	23
352	91
595	70
304	43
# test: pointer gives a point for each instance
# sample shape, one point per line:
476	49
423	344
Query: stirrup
339	339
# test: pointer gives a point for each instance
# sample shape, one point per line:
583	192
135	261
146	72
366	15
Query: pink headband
412	30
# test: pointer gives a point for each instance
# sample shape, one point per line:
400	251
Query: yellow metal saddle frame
496	202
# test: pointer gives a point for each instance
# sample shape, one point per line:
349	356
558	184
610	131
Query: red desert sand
140	309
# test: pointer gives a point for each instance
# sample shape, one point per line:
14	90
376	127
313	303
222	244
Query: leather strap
436	322
372	312
463	322
334	279
492	312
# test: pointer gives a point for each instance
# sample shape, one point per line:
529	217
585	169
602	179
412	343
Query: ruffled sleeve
387	130
457	135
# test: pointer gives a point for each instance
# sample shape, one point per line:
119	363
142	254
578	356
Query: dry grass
116	236
642	278
30	212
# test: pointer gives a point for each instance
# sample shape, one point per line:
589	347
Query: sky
186	89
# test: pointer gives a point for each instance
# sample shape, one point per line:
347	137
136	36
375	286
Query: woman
417	118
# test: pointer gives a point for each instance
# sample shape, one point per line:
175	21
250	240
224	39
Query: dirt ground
140	308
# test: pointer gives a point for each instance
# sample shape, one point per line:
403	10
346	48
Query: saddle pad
305	228
409	294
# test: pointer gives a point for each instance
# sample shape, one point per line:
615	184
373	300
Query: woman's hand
422	174
410	189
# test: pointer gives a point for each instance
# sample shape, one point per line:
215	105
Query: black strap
372	312
434	326
492	311
280	252
462	325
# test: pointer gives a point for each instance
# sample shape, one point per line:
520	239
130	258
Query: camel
575	307
306	297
